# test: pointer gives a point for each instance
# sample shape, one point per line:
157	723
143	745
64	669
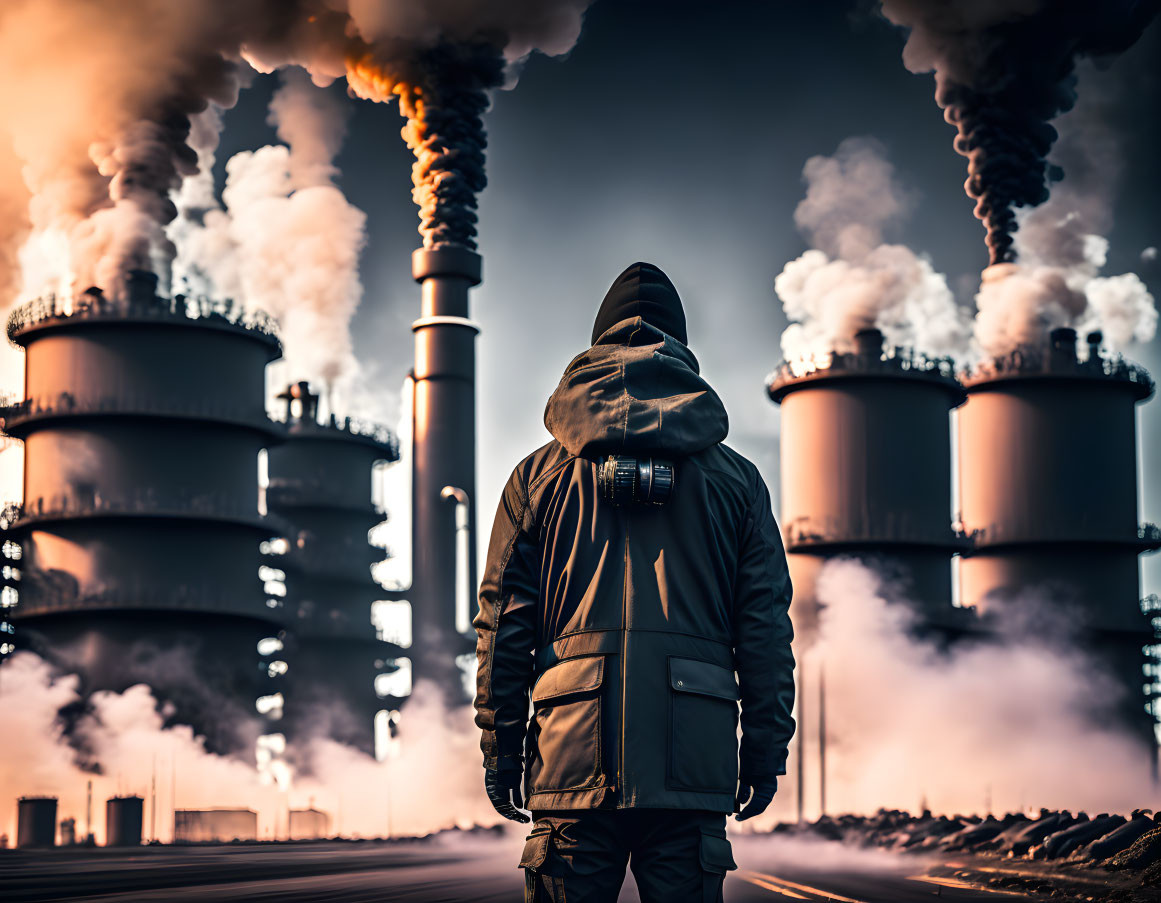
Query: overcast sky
676	133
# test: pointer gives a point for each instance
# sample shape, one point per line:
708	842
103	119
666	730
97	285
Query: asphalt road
444	869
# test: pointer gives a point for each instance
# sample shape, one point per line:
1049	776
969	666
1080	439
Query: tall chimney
443	455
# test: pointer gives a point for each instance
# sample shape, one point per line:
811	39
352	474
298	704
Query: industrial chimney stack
444	458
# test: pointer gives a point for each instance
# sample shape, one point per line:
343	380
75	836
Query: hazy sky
676	133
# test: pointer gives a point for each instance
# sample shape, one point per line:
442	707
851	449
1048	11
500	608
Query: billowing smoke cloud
433	781
123	81
1021	724
1003	70
1062	250
851	279
439	59
288	241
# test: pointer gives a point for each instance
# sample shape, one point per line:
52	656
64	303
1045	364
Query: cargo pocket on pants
539	887
716	859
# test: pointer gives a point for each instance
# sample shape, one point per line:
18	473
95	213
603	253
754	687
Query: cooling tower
866	473
139	529
1048	487
444	455
320	484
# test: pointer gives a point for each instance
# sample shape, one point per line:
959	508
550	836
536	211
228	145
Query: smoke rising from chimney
852	279
1003	69
121	81
1062	250
287	240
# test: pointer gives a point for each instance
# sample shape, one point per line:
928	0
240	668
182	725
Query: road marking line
806	888
1022	873
966	885
768	885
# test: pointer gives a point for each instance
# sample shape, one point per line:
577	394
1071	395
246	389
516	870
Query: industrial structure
444	467
1046	472
866	473
308	824
135	552
36	821
123	821
320	485
1048	491
214	825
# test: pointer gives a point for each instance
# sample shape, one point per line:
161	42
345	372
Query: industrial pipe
463	541
443	454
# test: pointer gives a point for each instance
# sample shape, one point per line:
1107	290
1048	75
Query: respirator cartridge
624	480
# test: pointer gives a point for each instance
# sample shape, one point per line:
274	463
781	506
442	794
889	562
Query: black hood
642	290
637	390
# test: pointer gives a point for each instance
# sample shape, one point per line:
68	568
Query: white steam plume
1020	720
122	80
288	241
433	781
851	279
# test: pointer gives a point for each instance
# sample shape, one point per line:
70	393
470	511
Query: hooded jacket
635	631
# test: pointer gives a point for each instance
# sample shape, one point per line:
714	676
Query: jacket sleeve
762	635
506	627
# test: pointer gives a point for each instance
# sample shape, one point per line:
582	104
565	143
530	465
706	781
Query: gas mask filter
624	480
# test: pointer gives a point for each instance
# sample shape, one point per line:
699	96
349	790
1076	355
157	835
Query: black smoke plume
1003	70
445	130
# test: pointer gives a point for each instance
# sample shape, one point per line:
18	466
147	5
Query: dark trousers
677	855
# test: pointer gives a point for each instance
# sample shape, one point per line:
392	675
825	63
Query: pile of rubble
1128	849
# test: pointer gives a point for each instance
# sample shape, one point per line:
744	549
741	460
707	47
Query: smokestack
1094	340
444	454
869	344
1062	347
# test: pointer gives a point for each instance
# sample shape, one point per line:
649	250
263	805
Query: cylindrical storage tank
123	819
1048	489
443	455
320	486
140	526
36	821
866	473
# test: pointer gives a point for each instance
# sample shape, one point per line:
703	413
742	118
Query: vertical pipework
443	454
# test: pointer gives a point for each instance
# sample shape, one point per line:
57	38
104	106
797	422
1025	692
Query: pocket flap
716	854
687	675
535	849
574	675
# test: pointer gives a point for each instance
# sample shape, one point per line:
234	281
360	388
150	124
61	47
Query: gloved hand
503	786
759	797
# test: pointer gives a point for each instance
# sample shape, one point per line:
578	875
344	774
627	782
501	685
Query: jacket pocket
536	848
567	714
703	726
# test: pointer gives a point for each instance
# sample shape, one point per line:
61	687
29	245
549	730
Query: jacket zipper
621	773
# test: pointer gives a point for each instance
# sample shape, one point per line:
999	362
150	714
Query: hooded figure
636	630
